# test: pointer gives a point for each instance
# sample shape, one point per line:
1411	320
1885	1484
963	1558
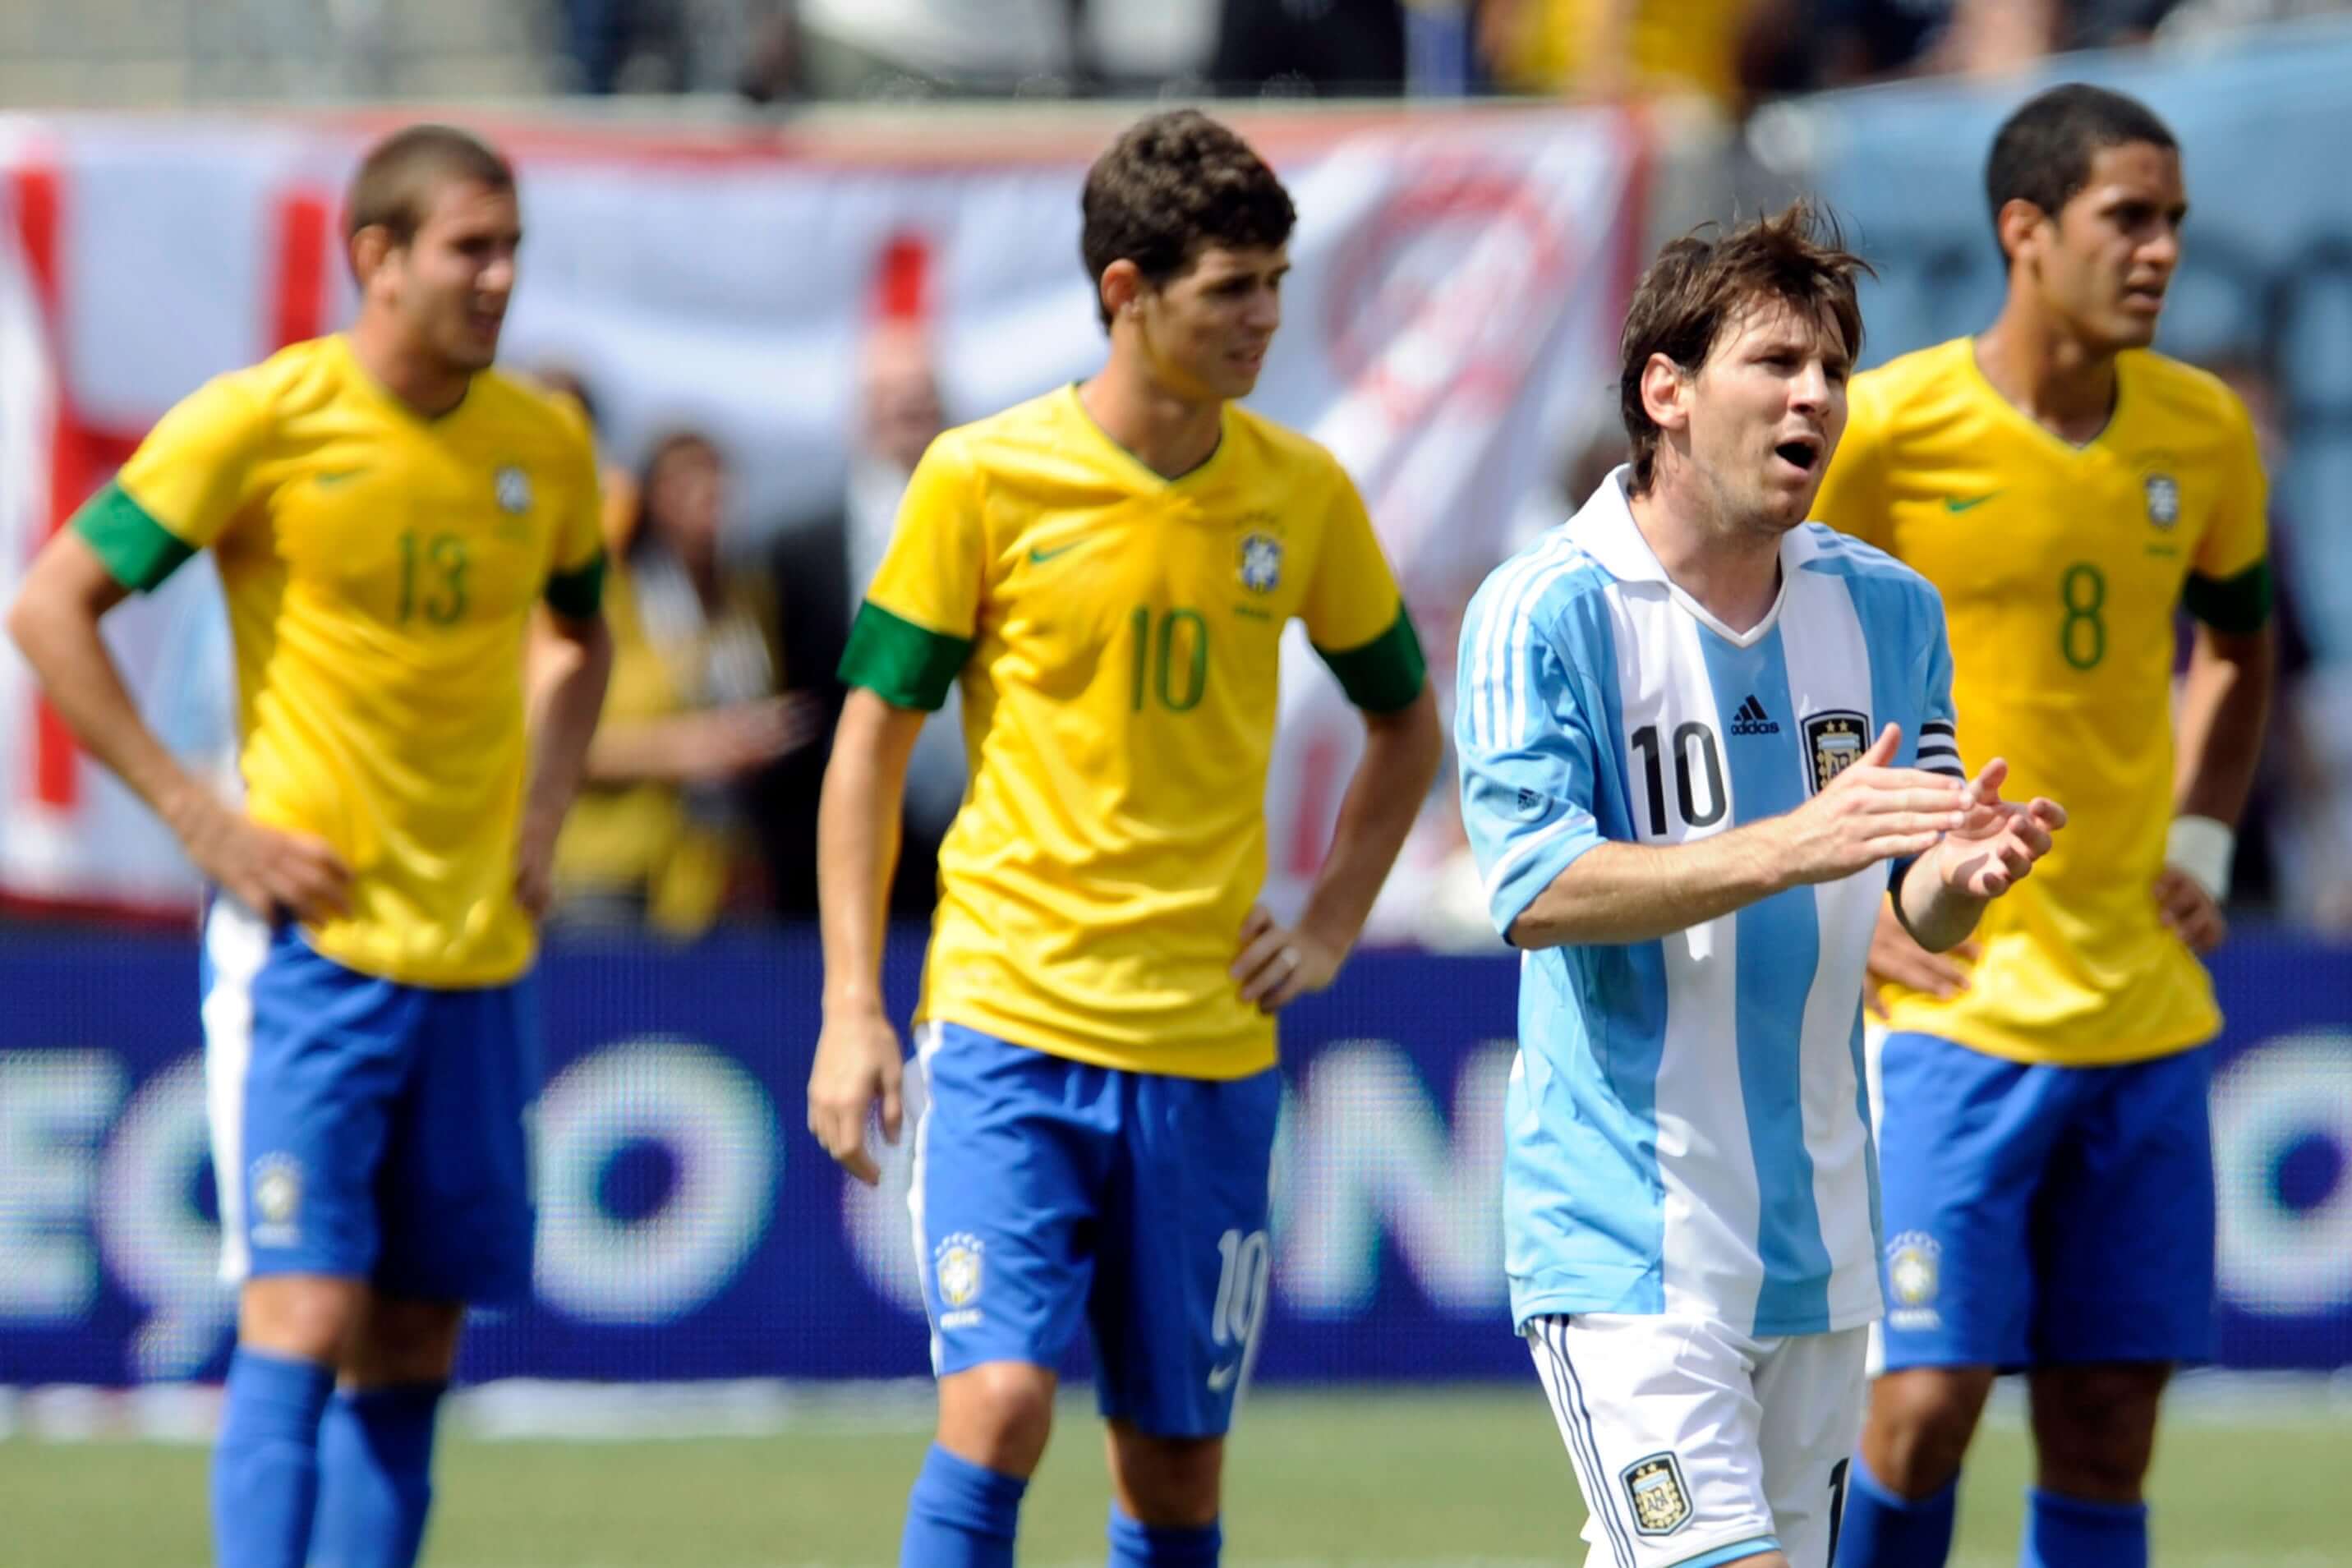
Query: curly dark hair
1701	284
1174	185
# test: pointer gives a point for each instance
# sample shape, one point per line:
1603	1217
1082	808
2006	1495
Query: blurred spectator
822	567
617	485
659	835
1611	48
928	48
1870	40
1306	48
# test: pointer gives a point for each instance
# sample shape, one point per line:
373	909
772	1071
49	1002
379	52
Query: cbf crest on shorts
956	1266
1834	740
1662	1503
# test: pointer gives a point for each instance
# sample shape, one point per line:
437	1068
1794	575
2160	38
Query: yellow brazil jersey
380	571
2061	568
1117	635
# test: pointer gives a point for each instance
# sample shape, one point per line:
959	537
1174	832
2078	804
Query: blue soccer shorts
2039	1215
364	1129
1047	1191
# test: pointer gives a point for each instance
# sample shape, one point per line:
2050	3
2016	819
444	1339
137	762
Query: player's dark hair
394	186
1703	283
1174	185
2042	152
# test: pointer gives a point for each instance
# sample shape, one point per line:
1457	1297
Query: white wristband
2200	848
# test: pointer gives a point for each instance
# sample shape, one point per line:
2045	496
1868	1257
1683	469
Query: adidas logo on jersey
1752	719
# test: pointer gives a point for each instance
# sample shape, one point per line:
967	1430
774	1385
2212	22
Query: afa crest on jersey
956	1267
1662	1503
1260	562
2163	500
1834	741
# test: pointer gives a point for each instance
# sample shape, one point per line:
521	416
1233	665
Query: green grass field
1458	1479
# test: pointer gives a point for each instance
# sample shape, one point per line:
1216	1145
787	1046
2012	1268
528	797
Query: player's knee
2094	1429
398	1342
300	1316
1167	1483
1921	1422
998	1414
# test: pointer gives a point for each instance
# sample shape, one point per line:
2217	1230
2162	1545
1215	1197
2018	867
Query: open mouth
1802	454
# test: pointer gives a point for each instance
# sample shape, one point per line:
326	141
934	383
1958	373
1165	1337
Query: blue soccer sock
960	1515
266	1464
1884	1531
2075	1532
1135	1545
375	1477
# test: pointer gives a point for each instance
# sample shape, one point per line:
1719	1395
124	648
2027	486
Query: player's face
1765	411
2103	266
453	281
1208	330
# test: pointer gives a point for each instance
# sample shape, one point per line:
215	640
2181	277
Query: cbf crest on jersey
1662	1503
1260	562
513	490
1834	740
2163	500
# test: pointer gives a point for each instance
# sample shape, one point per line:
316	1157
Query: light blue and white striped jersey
1688	1130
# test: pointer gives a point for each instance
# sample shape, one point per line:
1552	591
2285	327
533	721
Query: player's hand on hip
2189	911
1278	964
1995	848
859	1068
1872	811
266	869
1896	958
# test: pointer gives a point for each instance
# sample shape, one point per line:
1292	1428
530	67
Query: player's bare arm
569	675
1638	892
2225	703
55	622
859	1065
1944	895
1402	753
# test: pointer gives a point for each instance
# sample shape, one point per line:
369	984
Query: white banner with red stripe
1459	282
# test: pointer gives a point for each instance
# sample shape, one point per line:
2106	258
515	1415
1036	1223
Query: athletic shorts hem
1730	1552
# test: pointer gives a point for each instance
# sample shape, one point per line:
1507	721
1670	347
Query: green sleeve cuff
1386	674
577	594
140	551
2238	605
904	665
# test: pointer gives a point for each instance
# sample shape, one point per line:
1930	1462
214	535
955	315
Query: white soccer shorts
1696	1445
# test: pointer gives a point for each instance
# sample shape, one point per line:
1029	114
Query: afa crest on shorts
1662	1503
1834	740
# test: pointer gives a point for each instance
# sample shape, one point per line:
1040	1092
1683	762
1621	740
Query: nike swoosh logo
1221	1378
337	476
1040	557
1956	504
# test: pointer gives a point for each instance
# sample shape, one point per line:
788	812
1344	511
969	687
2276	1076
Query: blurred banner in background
1459	280
689	1227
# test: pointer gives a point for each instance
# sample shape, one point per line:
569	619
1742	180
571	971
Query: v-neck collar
1137	469
2057	443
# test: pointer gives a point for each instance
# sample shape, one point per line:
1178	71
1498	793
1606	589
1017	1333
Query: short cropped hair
1174	185
394	186
2042	152
1701	285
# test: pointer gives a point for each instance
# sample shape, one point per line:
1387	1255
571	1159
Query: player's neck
1734	573
1170	435
2053	378
426	385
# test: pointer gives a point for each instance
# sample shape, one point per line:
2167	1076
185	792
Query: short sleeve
2228	587
1937	750
1529	750
921	614
182	488
1856	495
1354	615
575	578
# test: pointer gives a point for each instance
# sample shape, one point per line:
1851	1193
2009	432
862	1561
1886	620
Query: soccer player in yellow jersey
2047	1172
1107	570
388	513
